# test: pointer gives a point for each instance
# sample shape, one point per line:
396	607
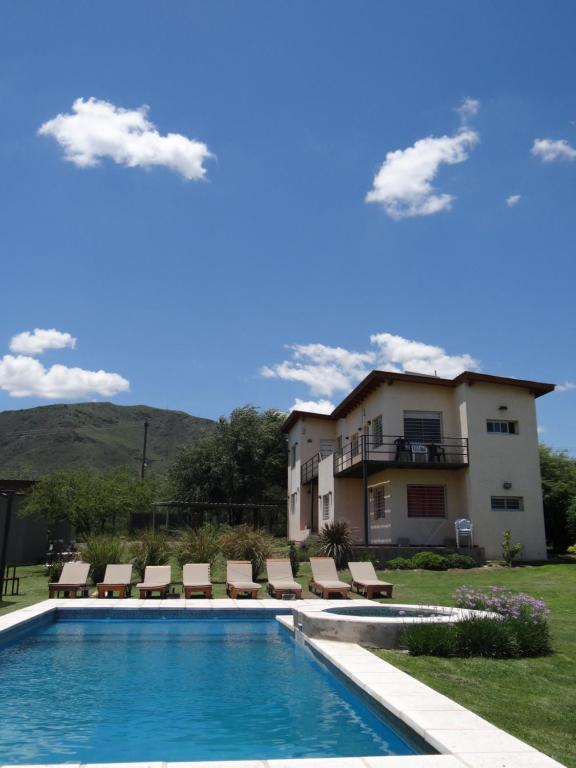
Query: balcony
373	454
309	470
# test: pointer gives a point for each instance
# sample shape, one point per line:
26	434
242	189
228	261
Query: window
326	506
422	427
503	503
326	448
426	501
379	502
502	427
293	456
339	444
377	437
292	503
354	444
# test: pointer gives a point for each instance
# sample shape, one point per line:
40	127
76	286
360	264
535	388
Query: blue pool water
132	689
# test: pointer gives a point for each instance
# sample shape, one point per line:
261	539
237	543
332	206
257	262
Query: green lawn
534	699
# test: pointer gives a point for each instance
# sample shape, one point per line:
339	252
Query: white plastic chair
464	528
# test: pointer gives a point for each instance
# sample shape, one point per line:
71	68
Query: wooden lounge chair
73	579
239	579
157	578
280	579
196	578
324	581
116	579
366	581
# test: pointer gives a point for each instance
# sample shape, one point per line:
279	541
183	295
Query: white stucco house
405	455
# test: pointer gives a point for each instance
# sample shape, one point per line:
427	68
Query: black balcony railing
309	470
398	451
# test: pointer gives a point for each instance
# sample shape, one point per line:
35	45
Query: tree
559	492
90	501
242	461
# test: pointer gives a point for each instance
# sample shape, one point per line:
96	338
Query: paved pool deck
463	739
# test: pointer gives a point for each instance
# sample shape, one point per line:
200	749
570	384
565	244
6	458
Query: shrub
571	550
400	564
245	543
533	637
430	561
294	558
491	638
54	570
199	545
509	551
152	549
461	561
335	540
430	640
100	551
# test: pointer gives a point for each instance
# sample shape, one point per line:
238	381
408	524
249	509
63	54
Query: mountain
102	436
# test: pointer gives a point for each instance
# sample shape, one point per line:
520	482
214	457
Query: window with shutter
422	427
426	501
379	502
326	506
377	437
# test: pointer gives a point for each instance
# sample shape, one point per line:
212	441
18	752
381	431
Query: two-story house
405	455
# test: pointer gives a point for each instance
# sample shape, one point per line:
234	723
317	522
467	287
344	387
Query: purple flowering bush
508	604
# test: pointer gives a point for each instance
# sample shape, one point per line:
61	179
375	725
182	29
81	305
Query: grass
533	699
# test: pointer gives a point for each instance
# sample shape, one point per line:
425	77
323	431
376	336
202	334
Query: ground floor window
326	506
292	503
426	501
379	502
500	503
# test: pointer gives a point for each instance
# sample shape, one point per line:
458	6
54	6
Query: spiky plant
335	540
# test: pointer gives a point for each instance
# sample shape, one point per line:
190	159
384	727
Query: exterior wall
496	459
306	435
423	531
349	505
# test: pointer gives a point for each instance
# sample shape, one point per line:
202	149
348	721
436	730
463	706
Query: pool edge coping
460	736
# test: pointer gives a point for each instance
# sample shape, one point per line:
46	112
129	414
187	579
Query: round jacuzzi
376	625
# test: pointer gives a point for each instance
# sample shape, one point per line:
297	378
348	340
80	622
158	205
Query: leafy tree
243	460
90	501
559	491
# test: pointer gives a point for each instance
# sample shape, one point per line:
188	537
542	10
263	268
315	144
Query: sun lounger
325	581
196	578
157	578
73	579
116	579
239	579
280	579
366	581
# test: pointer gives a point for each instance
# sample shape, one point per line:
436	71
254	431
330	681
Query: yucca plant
101	551
335	540
152	549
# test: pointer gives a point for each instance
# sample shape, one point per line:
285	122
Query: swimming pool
110	686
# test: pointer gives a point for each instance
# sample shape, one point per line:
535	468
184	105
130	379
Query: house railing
398	450
309	470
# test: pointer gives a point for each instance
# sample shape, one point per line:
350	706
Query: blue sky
190	289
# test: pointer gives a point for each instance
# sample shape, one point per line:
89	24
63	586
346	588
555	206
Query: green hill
103	436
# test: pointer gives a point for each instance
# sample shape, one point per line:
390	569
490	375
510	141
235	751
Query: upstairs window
502	427
354	450
426	501
377	436
422	427
505	503
293	456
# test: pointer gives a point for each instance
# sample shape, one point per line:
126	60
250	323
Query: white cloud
403	185
549	150
97	129
541	430
39	340
467	109
567	386
313	406
326	370
513	200
24	376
